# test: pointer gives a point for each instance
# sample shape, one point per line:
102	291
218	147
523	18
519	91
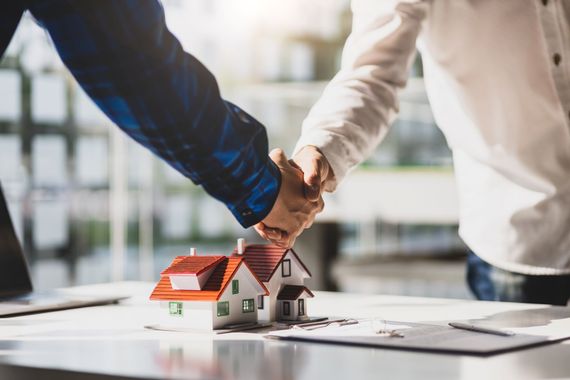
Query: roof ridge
179	260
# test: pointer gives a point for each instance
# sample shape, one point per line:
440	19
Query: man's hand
292	211
316	171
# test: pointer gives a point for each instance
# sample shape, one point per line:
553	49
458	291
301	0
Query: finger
309	223
291	242
283	242
273	233
315	208
311	166
320	205
269	233
312	178
278	243
259	228
286	244
292	237
311	192
279	157
295	165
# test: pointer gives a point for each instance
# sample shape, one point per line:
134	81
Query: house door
286	308
301	307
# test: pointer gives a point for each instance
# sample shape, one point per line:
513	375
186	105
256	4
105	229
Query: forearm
129	63
359	104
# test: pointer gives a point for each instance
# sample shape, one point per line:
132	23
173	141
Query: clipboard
414	337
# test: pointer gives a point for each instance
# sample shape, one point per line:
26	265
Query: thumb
279	157
312	179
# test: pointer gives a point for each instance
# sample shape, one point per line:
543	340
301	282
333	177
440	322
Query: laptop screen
14	275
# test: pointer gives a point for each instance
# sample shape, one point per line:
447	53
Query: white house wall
195	314
184	282
265	313
298	275
247	289
190	281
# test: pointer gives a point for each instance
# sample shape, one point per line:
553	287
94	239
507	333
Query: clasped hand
299	199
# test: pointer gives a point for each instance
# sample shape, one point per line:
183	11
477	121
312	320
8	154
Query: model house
209	292
283	274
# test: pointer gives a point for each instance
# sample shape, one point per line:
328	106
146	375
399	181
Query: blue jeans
490	283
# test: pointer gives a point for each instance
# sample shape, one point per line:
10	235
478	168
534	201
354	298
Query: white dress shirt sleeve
356	108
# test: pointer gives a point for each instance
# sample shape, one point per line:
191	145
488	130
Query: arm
361	101
129	63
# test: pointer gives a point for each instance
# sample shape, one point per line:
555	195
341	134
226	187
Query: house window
286	308
223	308
286	268
301	307
235	286
260	302
247	306
175	308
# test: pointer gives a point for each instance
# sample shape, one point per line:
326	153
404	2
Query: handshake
302	180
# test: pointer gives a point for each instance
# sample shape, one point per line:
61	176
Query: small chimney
240	246
192	251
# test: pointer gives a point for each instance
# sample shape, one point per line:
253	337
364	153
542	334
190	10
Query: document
416	336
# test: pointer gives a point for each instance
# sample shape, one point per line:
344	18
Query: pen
318	325
485	330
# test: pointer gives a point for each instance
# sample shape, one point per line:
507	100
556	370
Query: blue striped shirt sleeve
130	64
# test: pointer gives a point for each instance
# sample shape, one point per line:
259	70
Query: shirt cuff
334	151
262	196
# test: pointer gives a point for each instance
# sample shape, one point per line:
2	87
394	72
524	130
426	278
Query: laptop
17	296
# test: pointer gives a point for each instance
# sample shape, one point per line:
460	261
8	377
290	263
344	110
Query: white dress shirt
497	73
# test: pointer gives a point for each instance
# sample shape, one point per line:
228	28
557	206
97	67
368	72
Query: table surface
111	342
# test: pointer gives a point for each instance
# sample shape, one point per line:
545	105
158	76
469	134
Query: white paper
532	325
367	328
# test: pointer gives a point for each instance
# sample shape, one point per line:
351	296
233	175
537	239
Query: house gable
238	304
247	285
299	267
297	274
266	260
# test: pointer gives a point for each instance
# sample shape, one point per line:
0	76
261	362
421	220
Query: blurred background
90	206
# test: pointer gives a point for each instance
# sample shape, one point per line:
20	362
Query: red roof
213	288
264	259
292	292
194	265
